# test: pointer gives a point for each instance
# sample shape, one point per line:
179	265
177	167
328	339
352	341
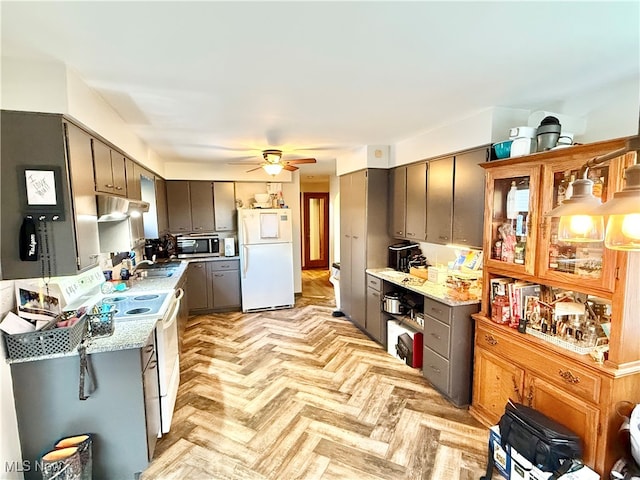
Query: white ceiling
218	81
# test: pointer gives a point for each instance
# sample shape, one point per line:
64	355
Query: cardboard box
513	466
501	456
537	474
584	473
520	466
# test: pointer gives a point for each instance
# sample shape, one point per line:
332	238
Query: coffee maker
401	253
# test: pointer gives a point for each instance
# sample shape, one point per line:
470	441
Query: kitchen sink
159	272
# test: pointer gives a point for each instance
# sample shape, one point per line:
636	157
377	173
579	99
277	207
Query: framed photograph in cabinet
41	189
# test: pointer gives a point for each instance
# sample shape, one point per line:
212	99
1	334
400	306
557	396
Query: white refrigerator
266	258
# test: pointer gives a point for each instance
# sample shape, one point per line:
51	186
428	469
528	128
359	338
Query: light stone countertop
416	284
132	333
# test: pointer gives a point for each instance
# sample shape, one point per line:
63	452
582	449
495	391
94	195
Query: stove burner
137	311
146	297
114	299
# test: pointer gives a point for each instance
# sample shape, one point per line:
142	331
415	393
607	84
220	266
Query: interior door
316	229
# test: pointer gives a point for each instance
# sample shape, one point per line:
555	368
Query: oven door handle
174	310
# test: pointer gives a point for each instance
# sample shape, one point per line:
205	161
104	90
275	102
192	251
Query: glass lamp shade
272	157
623	227
272	168
581	228
579	220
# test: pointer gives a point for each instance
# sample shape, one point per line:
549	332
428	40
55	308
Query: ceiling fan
273	163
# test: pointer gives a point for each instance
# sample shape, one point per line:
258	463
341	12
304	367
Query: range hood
113	209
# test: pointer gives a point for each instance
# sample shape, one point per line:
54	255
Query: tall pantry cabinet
550	373
363	237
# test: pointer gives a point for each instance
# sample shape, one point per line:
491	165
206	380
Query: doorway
315	239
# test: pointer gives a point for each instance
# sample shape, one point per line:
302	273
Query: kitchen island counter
419	285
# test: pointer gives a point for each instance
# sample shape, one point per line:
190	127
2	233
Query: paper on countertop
268	225
13	324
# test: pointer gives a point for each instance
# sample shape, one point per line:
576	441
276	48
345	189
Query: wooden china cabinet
567	385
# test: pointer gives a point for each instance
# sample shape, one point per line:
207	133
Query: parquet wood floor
300	394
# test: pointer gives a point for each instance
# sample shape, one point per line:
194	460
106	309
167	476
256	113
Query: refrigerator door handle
246	232
246	261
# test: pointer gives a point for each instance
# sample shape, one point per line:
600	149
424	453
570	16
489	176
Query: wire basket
100	324
559	342
46	341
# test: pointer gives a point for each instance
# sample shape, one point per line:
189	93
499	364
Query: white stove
134	305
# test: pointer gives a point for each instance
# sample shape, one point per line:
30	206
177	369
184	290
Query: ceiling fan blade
302	160
291	168
245	163
254	169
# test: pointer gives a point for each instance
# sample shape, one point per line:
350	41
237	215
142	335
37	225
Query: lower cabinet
376	320
224	279
214	285
448	347
507	367
123	413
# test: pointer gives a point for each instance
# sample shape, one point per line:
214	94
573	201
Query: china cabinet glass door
512	195
587	264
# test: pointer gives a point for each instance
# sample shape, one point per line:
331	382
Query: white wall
203	171
51	87
369	156
334	219
9	439
610	113
33	86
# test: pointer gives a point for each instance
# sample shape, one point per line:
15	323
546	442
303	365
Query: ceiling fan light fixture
272	156
272	168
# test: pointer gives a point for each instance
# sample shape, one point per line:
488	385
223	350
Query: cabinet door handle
437	310
149	349
375	294
437	337
109	185
490	339
218	275
153	365
443	237
399	233
530	396
409	234
568	377
356	237
118	188
516	389
435	369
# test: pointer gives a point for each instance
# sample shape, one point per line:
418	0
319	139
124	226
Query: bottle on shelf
500	308
520	250
554	251
512	211
562	189
595	177
496	253
569	192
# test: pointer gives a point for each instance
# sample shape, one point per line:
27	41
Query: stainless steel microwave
204	245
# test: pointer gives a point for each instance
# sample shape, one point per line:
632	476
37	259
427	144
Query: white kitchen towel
268	225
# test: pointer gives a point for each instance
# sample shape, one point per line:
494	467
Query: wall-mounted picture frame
41	188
